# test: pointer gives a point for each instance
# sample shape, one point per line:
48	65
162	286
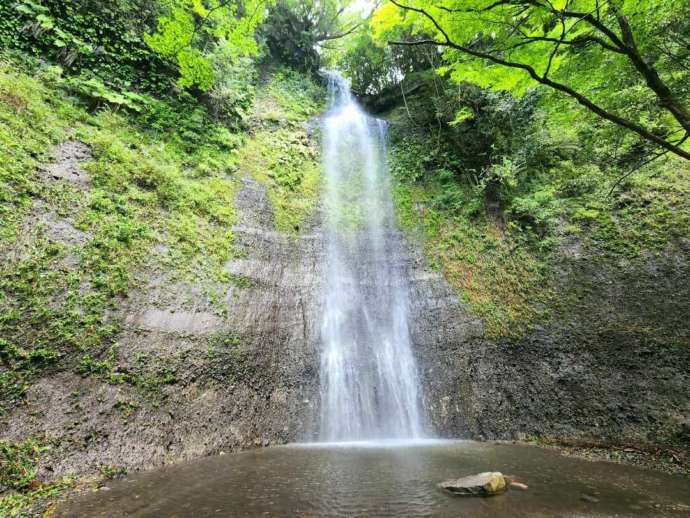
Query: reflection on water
383	479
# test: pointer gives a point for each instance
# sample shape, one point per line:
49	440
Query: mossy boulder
489	483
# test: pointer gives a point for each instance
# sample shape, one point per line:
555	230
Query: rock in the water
484	484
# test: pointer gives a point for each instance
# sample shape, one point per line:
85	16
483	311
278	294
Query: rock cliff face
244	371
209	377
612	366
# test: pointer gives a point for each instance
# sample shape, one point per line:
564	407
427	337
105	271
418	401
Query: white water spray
369	387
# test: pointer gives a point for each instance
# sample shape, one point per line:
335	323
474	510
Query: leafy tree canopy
191	30
603	54
297	31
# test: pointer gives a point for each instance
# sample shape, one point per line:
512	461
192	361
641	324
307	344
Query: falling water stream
369	387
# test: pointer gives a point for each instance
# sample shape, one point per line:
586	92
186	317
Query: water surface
386	479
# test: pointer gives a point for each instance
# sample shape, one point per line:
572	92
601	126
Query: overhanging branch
326	37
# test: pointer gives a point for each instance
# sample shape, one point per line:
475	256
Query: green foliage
173	33
365	62
295	31
126	409
110	472
148	375
99	94
192	32
230	358
28	503
195	70
18	475
132	47
21	146
232	96
498	150
288	97
581	44
285	161
84	35
15	357
498	273
18	463
491	196
539	210
173	40
222	342
373	66
650	215
88	366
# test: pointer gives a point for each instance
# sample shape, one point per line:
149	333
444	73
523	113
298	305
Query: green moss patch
18	476
281	155
501	280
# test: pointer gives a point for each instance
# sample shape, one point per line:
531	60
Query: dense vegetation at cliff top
517	126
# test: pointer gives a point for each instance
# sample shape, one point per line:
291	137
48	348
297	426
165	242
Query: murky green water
386	479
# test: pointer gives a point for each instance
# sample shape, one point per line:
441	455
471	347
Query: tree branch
325	37
626	43
640	166
498	3
198	26
666	98
556	47
579	40
587	17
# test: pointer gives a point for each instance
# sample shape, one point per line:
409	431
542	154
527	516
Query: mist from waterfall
369	385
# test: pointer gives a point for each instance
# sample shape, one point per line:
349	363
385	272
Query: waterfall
369	386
